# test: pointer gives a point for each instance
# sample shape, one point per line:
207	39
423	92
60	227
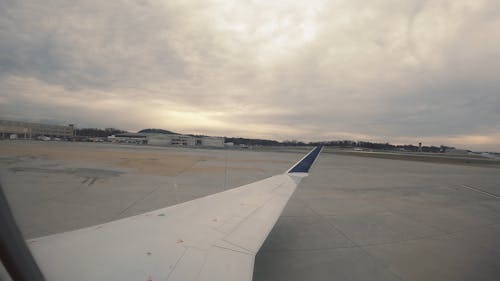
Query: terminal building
168	139
27	130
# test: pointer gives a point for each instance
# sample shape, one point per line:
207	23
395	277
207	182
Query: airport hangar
168	139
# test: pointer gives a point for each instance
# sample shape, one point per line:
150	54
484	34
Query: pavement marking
481	191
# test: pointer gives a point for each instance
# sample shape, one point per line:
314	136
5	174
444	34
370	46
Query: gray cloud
305	70
88	44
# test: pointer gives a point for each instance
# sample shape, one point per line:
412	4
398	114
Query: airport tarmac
353	218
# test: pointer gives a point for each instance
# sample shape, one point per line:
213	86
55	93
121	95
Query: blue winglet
305	164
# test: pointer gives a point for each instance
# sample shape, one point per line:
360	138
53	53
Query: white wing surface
211	238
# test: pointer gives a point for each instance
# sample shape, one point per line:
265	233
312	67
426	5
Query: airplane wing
211	238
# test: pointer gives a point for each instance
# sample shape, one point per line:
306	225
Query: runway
358	218
353	218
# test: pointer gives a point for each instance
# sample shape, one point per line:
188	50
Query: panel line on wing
176	263
234	250
236	245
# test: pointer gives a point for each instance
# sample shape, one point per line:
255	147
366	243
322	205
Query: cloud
305	70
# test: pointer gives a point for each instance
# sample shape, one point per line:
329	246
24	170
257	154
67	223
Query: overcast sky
397	71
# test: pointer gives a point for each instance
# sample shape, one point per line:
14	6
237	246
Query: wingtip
305	163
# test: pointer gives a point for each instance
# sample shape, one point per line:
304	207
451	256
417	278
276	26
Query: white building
212	141
129	138
173	140
168	139
32	130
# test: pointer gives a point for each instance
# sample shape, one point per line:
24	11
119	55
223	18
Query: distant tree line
156	131
95	132
386	146
341	144
252	142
